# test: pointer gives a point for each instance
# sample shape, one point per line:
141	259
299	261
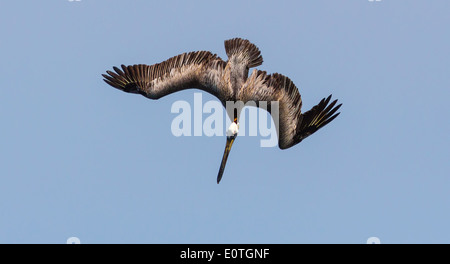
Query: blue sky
79	158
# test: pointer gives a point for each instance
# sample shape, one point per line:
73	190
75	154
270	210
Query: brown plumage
228	81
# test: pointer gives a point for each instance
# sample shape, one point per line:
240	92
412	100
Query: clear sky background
79	158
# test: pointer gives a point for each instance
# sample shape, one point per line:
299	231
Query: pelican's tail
244	51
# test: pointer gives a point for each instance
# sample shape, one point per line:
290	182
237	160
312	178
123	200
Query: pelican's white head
233	130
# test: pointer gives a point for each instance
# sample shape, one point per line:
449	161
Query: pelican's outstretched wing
294	126
199	69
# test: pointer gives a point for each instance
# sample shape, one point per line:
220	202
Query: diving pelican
228	81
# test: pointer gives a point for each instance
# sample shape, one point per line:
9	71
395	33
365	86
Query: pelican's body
229	81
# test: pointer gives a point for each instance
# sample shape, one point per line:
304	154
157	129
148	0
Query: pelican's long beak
230	141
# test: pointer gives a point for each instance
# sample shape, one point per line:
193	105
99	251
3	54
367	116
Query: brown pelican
228	81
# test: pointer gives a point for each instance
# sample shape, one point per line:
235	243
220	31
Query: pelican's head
233	129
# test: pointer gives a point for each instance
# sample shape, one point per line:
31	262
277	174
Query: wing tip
316	118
